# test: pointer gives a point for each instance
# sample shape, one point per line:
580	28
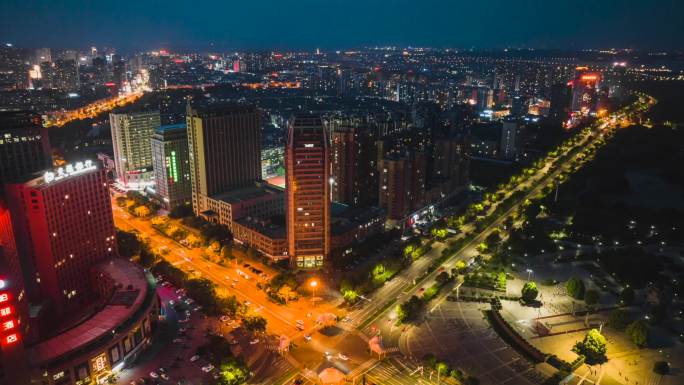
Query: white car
328	356
208	368
165	376
254	342
342	357
154	375
307	337
194	358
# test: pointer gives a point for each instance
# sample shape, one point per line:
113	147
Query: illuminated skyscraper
171	165
66	75
307	160
584	90
402	185
225	150
63	226
131	135
24	145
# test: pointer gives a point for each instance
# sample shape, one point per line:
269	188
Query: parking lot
457	333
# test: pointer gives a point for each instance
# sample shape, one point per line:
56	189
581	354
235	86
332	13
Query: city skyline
345	24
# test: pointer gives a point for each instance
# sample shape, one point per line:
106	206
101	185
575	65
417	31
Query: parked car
194	358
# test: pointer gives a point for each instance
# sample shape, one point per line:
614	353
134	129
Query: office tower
14	70
585	86
66	75
402	185
224	150
171	165
307	160
118	71
354	167
24	145
131	135
560	98
509	140
100	70
63	226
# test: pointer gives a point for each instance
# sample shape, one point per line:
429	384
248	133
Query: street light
529	273
313	285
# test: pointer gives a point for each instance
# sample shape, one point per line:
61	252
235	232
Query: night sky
306	24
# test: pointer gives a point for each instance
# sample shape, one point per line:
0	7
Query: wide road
281	319
401	288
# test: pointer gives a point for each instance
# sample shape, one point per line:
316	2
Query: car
307	337
171	302
208	368
194	358
164	376
342	356
346	319
154	374
182	330
328	355
224	318
178	340
254	341
183	321
247	303
189	301
235	280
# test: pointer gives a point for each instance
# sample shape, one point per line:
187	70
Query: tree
591	297
181	211
575	288
442	368
638	333
227	252
661	367
193	240
142	211
351	296
442	278
254	323
529	292
287	293
627	296
128	243
593	347
147	258
618	319
233	373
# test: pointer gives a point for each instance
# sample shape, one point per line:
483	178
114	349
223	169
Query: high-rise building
131	135
509	140
63	226
354	168
560	98
66	75
307	160
585	88
224	150
402	185
171	165
450	162
24	145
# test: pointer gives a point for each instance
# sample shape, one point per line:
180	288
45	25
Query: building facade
354	168
171	165
63	225
24	145
307	159
224	150
131	135
402	185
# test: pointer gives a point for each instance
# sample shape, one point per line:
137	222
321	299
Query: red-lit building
585	88
307	159
63	226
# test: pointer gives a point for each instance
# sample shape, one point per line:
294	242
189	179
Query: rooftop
249	193
133	289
